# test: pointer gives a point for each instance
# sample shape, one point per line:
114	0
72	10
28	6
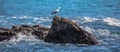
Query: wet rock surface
40	31
62	31
37	30
66	31
6	34
24	29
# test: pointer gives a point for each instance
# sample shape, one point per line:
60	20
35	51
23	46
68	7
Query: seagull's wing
54	12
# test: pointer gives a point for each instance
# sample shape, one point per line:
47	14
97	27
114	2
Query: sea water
99	17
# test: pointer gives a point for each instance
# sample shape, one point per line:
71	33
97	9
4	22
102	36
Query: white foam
20	17
14	17
90	30
103	31
83	20
97	31
42	19
45	19
35	19
20	36
109	20
112	21
89	19
24	17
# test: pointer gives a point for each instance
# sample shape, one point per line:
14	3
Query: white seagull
56	11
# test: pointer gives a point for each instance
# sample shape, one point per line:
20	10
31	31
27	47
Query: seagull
56	11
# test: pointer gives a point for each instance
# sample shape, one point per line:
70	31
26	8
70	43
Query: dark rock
35	26
3	29
40	31
25	26
6	34
16	28
24	29
66	31
37	30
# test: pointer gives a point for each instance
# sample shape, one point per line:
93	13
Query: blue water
99	17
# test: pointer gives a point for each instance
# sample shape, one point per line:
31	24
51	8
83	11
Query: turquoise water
91	8
99	17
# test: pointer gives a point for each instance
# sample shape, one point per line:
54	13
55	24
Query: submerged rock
6	34
66	31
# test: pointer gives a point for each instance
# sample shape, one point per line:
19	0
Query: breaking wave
112	21
106	30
